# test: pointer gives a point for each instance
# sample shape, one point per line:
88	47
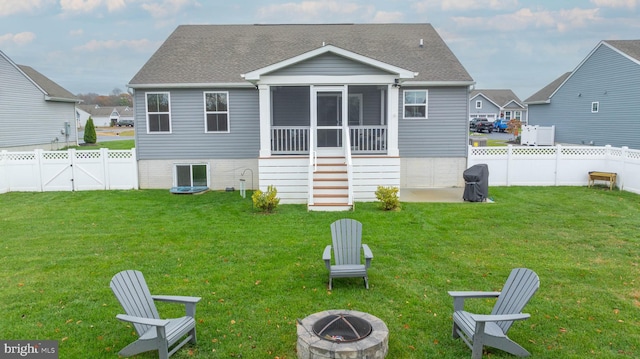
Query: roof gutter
61	99
192	85
438	83
541	102
251	84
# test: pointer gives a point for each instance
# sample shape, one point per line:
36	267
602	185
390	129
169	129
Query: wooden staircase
330	185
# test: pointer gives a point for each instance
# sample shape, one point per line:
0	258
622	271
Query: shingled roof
218	54
545	93
52	90
629	47
501	97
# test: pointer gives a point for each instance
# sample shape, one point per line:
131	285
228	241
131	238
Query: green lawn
112	145
257	273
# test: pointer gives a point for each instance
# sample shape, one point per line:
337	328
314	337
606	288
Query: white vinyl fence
557	165
71	170
39	171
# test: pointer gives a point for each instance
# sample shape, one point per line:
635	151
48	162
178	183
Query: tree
90	132
513	127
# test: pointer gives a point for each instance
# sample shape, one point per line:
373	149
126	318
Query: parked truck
480	124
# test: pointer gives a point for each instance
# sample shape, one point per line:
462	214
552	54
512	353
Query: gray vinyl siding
26	119
328	65
606	77
487	107
188	139
444	133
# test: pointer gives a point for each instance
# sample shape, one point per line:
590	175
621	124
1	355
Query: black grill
342	328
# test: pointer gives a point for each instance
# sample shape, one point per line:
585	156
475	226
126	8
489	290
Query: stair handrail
346	134
313	166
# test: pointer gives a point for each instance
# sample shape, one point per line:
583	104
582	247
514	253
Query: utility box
478	142
476	188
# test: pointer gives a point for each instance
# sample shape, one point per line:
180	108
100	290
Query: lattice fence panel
55	156
534	151
583	151
20	156
88	155
120	154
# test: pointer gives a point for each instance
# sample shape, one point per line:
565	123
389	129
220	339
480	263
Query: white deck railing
286	140
289	140
369	139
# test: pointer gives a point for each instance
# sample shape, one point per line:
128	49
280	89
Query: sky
97	46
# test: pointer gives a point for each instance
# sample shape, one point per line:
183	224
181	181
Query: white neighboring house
35	112
103	116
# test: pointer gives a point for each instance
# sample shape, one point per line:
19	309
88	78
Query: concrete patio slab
442	195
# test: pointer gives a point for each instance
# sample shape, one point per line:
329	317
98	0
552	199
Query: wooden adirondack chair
346	237
491	330
154	333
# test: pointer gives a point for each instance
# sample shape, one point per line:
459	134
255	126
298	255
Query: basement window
191	175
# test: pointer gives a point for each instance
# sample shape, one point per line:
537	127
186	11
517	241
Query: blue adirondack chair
154	333
346	235
491	330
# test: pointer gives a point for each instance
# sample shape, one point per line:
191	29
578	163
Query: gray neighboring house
325	113
598	103
495	104
35	112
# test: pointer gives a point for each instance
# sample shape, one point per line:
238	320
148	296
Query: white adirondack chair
347	244
154	333
491	330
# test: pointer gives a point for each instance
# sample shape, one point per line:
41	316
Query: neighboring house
495	104
35	112
325	113
598	103
103	116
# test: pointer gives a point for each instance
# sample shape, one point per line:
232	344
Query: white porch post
265	120
392	126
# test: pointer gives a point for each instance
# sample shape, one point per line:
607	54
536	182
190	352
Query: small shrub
90	132
266	201
388	196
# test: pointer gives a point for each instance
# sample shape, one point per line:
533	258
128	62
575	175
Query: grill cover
476	188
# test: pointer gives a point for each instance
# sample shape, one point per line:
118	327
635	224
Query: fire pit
342	334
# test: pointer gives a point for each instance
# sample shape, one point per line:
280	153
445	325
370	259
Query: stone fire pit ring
311	346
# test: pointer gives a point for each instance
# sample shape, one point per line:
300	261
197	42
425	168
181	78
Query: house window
595	106
415	104
216	111
517	115
478	104
507	115
191	175
158	112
